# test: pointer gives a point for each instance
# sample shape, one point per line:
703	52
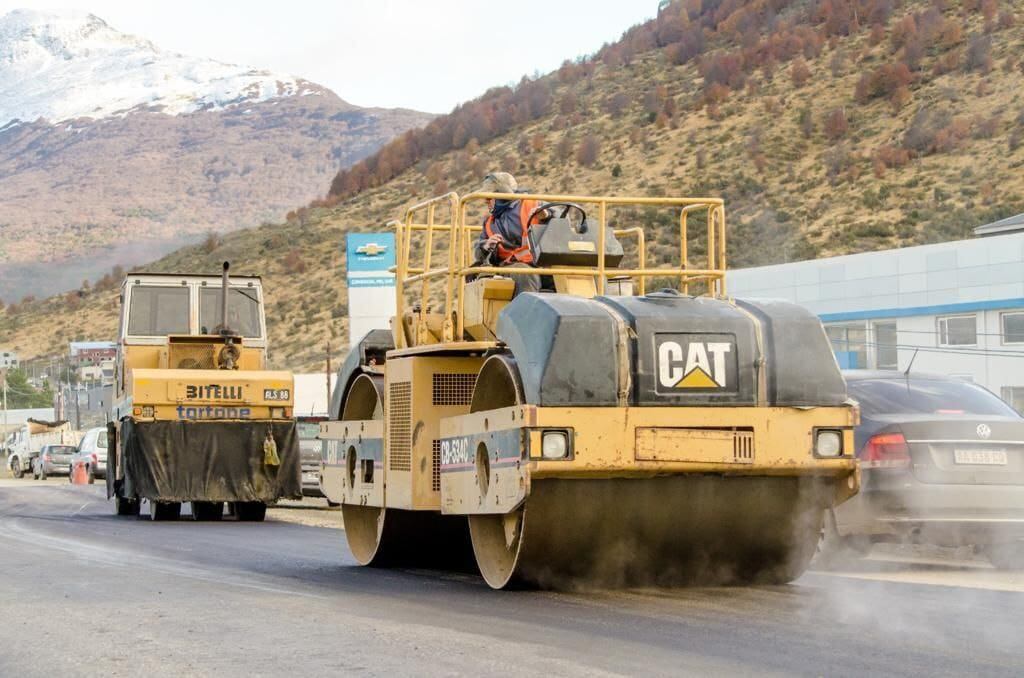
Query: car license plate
980	457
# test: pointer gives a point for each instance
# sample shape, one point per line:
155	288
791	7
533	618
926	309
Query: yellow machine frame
611	443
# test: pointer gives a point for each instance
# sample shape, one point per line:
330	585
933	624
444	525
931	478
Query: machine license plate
980	457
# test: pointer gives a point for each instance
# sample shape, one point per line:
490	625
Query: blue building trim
941	309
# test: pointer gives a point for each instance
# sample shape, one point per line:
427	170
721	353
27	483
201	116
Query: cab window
158	311
243	311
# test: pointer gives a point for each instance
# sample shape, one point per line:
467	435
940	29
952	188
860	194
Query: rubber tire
35	472
1006	556
16	470
42	473
250	511
91	472
164	510
126	507
205	511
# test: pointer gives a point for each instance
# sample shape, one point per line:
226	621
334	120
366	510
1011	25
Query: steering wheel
565	212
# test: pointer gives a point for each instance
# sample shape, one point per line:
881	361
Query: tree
806	122
22	395
979	54
800	73
588	151
293	263
836	125
617	104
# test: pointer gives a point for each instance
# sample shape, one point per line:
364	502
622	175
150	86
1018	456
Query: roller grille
435	466
400	426
185	357
743	447
453	388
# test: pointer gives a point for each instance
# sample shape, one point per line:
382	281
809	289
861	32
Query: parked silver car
942	462
308	428
53	460
92	452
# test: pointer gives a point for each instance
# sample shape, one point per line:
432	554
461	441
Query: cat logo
702	365
372	249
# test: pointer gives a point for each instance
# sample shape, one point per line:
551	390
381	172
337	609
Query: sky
427	55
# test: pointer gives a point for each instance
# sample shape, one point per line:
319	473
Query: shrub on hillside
799	73
836	125
978	57
883	81
588	151
293	263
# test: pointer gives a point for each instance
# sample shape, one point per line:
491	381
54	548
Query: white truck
26	442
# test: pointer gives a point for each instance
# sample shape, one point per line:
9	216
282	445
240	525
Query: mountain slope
831	150
113	151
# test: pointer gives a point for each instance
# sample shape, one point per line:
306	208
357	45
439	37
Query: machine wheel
125	507
250	511
42	473
164	510
207	510
91	473
16	468
670	530
35	472
1006	556
383	537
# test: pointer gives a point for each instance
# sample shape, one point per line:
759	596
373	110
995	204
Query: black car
942	462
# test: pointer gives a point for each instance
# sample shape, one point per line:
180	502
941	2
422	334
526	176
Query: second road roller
584	429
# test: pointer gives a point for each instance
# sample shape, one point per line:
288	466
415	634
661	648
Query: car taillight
96	459
46	457
886	450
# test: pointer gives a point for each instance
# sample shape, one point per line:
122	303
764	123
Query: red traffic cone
78	474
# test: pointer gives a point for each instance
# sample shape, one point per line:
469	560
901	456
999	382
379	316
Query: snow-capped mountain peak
64	65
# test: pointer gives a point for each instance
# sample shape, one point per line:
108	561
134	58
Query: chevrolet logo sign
372	249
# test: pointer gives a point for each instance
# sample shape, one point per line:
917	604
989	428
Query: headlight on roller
148	411
828	443
554	445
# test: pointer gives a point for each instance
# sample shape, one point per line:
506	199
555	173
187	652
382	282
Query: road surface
84	593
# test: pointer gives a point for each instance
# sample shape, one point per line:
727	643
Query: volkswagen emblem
984	431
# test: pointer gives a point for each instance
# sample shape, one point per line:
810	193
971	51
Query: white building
957	306
8	360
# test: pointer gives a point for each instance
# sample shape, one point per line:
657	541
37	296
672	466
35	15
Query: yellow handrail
462	235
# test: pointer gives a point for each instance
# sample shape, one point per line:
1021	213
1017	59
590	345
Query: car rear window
63	449
925	396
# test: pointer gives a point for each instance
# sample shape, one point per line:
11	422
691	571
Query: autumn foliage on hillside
729	40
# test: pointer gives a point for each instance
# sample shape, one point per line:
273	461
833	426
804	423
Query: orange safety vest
521	253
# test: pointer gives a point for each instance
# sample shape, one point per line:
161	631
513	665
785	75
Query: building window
1014	395
958	330
886	353
1013	328
849	342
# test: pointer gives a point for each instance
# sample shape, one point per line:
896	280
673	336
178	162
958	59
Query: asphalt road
83	593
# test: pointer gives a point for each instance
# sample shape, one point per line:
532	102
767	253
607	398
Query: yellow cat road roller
589	432
196	416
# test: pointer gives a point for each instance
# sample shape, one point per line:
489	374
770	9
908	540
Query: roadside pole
3	376
328	401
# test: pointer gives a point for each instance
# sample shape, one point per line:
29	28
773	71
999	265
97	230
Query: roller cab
592	433
197	417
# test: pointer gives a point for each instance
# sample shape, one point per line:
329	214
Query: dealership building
953	308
